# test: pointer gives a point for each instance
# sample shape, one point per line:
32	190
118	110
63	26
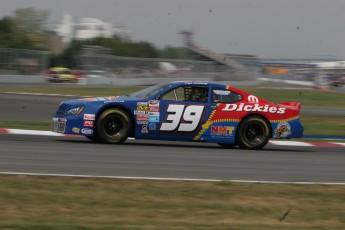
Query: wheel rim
114	126
254	133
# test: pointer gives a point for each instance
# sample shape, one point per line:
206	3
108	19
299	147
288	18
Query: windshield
150	91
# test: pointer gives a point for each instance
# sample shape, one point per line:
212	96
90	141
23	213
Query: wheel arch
124	108
257	115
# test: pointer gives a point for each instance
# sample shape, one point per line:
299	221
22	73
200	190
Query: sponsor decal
62	120
86	131
88	123
142	117
223	131
116	101
253	108
142	122
144	129
154	103
221	92
283	130
142	108
154	109
154	114
142	104
142	113
154	119
152	126
75	130
90	117
253	99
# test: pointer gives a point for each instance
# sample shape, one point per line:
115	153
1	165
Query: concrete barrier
22	79
135	81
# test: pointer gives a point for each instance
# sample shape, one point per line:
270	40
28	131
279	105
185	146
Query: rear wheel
253	133
113	126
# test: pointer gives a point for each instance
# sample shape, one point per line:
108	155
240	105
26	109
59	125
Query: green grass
323	125
30	125
313	125
306	97
71	203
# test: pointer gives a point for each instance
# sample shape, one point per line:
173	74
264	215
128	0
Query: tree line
26	29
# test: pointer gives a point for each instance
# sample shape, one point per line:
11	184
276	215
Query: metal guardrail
24	62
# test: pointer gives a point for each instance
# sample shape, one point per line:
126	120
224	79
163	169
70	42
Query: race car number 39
183	118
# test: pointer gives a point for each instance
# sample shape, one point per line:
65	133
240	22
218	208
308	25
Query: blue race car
181	111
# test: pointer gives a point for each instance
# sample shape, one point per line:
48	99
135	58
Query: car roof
198	83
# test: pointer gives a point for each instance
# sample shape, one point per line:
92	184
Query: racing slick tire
253	133
113	126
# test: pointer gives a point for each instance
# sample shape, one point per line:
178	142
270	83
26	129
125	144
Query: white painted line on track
339	143
33	132
273	142
168	179
291	143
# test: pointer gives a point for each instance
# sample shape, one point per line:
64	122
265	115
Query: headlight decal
75	111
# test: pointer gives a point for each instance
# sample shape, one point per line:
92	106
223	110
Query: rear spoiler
293	105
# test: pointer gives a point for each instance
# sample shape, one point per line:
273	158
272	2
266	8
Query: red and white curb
275	142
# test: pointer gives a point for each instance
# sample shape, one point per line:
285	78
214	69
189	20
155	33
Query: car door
179	113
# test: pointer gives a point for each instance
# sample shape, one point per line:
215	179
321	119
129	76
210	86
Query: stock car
181	111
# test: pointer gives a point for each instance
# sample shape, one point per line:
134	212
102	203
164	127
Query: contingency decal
283	130
142	113
154	111
222	131
183	118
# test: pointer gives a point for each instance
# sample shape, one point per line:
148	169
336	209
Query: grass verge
71	203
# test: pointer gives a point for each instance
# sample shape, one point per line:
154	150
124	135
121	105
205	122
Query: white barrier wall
22	79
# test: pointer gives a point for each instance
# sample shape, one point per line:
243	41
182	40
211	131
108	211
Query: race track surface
139	158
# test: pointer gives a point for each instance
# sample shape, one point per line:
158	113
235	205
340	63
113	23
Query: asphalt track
161	159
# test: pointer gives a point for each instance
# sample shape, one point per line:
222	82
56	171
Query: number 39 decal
183	118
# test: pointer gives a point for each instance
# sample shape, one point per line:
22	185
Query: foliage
24	30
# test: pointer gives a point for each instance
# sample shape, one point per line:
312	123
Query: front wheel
113	126
253	133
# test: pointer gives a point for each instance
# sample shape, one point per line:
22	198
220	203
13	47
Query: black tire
113	126
253	133
227	146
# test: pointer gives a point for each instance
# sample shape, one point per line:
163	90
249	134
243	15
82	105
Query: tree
30	20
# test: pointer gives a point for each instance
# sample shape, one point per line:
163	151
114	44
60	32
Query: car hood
100	100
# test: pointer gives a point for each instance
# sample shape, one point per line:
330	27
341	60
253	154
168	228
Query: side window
174	95
187	93
225	96
196	94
